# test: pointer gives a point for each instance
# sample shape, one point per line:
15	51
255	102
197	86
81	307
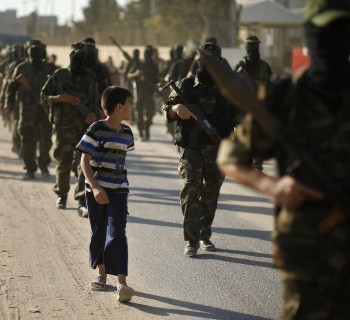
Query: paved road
44	272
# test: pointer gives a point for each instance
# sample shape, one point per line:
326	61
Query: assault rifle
238	92
201	119
83	109
125	54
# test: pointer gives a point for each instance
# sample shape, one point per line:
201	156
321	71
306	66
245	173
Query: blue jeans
108	244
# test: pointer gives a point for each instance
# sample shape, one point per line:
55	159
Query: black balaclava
77	63
203	75
148	54
91	57
253	53
35	56
178	50
329	49
136	54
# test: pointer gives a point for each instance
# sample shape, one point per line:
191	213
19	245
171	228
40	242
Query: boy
104	148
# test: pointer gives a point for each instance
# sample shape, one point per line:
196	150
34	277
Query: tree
159	22
100	15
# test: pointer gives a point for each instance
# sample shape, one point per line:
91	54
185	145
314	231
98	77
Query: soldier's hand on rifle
67	98
288	192
90	118
183	112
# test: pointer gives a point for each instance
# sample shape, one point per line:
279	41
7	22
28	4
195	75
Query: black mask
35	56
91	57
253	53
148	54
203	75
78	63
329	49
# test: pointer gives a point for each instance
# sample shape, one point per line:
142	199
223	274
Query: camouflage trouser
199	197
33	131
145	111
314	267
66	140
16	137
171	129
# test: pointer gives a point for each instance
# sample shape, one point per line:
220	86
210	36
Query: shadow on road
246	209
155	196
189	309
235	260
254	234
233	197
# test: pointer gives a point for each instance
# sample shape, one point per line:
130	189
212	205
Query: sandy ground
44	270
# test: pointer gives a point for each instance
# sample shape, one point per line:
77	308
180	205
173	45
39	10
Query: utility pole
72	17
153	8
234	23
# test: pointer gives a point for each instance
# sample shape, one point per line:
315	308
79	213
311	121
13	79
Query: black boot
28	176
61	202
191	248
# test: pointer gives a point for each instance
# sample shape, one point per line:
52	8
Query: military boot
28	176
191	248
61	202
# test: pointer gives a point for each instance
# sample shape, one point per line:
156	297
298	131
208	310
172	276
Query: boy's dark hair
113	95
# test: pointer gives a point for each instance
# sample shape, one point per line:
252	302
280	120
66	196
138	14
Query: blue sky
64	9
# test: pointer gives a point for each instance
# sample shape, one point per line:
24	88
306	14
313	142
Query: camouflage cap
78	47
323	12
210	49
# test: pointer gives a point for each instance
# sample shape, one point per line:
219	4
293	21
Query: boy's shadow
192	309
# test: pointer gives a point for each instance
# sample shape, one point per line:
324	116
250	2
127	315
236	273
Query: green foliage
158	22
99	15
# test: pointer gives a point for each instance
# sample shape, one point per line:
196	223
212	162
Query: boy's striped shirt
108	148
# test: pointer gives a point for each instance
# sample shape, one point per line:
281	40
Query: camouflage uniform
99	69
103	81
11	117
257	71
146	85
197	168
260	74
33	124
313	261
69	121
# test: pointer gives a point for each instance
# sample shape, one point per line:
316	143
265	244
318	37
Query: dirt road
44	270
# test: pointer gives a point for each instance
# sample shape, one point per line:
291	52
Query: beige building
278	24
42	25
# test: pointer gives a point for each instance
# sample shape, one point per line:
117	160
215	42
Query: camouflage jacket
217	110
84	87
25	85
260	74
320	126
